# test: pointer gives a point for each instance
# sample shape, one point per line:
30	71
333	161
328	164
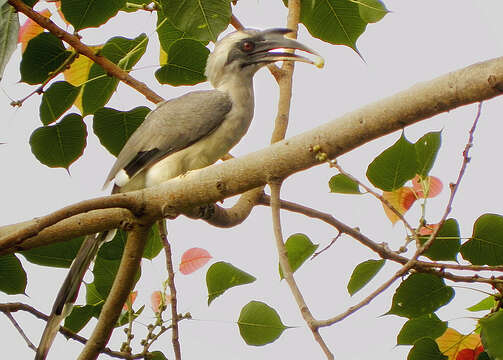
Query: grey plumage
183	134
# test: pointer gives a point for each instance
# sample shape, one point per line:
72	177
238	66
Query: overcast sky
418	41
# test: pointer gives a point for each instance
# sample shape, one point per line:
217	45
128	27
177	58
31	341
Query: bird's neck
239	89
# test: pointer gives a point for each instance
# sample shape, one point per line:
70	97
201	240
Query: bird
184	134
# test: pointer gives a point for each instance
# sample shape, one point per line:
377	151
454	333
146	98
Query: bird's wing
171	127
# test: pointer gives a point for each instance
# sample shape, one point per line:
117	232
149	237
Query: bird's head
244	52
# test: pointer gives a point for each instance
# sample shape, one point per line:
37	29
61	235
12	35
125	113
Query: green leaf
167	32
61	144
222	276
299	248
446	245
60	254
341	24
491	334
363	273
12	275
259	324
124	317
203	20
394	166
154	244
428	325
93	297
186	63
486	244
121	51
113	127
420	294
9	29
342	184
157	355
80	316
426	349
485	304
58	98
30	3
483	356
113	249
89	13
371	11
104	274
426	152
44	54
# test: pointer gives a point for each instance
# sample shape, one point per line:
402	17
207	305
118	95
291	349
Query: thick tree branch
468	85
74	41
122	286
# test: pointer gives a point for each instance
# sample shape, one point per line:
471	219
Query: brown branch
74	41
37	225
122	286
381	249
14	307
172	289
20	331
377	196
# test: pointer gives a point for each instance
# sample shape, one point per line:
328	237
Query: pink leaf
193	259
156	300
130	300
430	185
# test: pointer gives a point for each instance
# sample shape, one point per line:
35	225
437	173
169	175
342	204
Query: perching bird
183	134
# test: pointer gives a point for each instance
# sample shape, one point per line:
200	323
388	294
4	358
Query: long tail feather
70	289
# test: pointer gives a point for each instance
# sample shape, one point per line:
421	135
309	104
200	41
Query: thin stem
20	331
172	289
287	270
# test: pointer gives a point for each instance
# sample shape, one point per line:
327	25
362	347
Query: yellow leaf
452	342
78	73
401	199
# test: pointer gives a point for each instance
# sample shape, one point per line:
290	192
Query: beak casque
273	39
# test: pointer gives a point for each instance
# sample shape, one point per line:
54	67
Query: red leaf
130	300
430	185
466	354
193	259
31	29
427	229
156	299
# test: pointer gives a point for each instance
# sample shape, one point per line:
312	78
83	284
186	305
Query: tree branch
74	41
287	270
468	85
122	286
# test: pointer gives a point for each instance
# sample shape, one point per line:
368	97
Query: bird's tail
70	289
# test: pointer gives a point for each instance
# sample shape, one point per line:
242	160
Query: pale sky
417	41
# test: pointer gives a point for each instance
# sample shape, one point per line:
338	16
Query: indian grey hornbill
183	134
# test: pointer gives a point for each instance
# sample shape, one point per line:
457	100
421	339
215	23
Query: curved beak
273	39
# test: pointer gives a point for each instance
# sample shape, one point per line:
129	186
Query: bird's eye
247	46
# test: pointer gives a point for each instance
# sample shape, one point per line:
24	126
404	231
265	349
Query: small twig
172	289
327	247
20	331
386	203
13	307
